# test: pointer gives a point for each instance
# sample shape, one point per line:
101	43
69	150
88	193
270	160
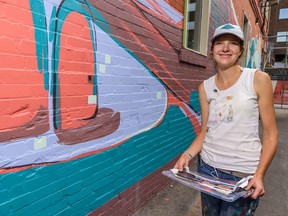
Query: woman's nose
225	47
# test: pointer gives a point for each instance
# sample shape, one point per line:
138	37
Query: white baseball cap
228	29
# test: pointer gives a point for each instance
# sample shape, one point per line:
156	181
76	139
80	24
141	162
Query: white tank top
232	141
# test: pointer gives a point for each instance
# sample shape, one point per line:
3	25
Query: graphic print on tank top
222	110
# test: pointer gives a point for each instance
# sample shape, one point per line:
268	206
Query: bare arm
263	88
196	145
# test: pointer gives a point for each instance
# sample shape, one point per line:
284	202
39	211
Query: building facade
98	97
277	43
278	33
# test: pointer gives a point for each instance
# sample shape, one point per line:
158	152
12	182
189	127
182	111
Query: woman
229	145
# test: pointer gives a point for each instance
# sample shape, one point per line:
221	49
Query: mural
97	86
87	94
85	91
253	58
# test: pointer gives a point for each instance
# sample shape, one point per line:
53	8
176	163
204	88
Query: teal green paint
102	175
252	49
52	24
194	101
39	21
252	60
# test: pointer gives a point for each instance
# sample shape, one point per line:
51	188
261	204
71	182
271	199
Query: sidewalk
175	200
275	201
179	200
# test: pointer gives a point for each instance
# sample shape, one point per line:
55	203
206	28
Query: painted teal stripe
194	101
80	186
41	38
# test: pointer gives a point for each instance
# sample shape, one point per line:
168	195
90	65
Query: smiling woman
229	144
226	51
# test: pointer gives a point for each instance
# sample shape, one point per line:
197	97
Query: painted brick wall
95	102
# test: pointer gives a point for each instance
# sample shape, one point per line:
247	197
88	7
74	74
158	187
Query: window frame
285	36
283	12
204	27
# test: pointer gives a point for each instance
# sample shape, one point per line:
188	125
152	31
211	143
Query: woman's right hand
182	162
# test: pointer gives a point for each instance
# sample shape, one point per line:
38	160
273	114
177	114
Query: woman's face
226	50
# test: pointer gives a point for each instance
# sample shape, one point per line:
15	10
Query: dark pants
212	206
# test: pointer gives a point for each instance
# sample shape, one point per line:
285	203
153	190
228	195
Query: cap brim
213	38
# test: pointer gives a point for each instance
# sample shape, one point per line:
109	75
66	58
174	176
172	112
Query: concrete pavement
179	200
275	201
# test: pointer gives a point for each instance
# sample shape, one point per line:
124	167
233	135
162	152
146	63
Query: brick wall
95	103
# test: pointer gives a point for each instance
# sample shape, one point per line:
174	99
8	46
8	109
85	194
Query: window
196	23
282	37
283	13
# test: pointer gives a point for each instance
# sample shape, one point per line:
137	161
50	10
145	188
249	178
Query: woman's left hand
257	186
